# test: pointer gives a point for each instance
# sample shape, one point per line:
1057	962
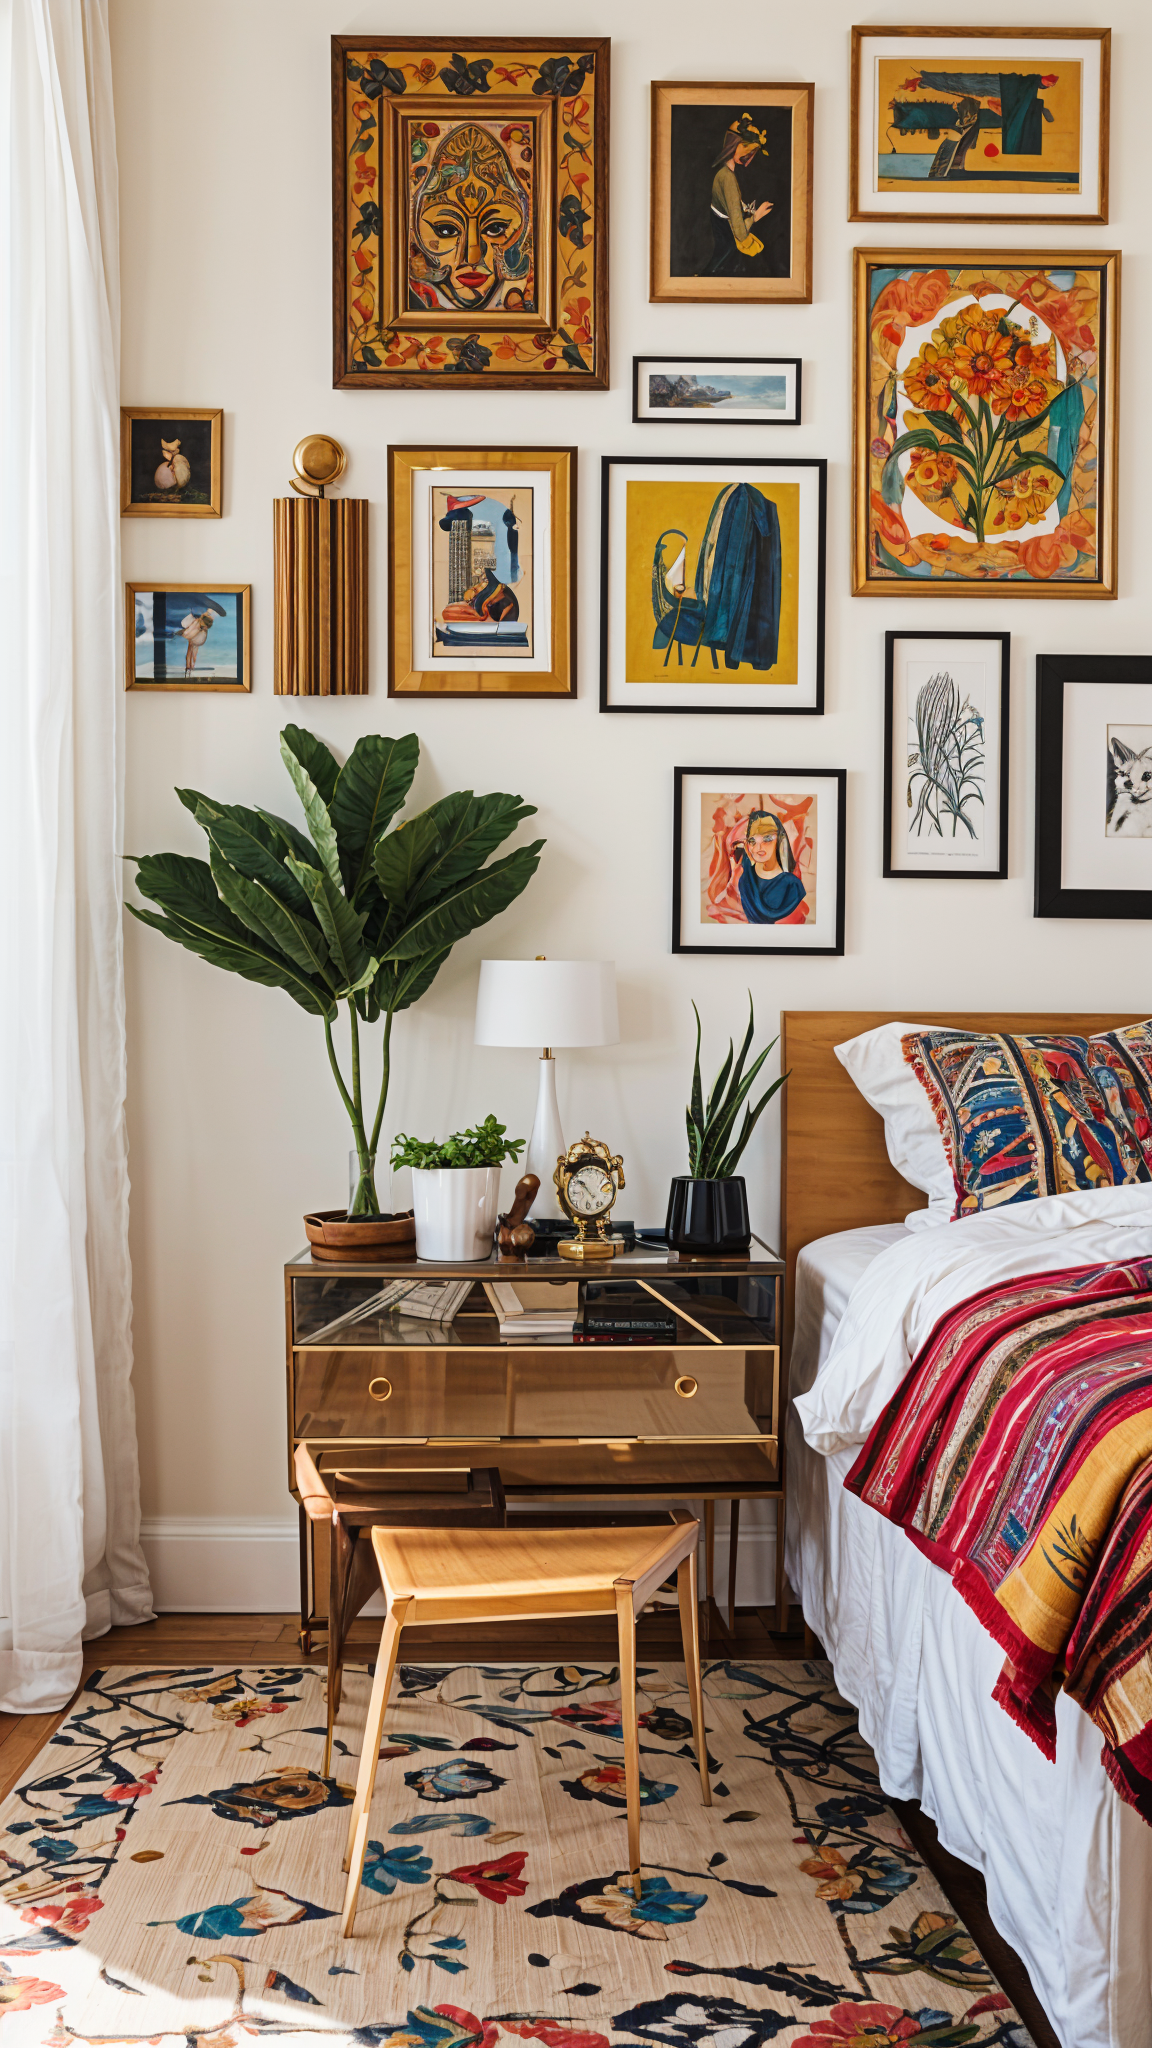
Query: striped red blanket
1018	1455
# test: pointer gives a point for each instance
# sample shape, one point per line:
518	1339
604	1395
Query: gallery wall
235	1127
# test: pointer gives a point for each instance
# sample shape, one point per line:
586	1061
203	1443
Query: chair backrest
315	1498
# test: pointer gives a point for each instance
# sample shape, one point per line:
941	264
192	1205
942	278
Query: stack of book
614	1313
534	1310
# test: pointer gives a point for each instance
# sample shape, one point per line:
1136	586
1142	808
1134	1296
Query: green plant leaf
370	789
317	760
966	409
291	839
401	856
249	845
716	1137
196	918
470	904
468	829
945	423
486	1145
1028	462
397	987
263	912
696	1111
751	1118
315	808
342	926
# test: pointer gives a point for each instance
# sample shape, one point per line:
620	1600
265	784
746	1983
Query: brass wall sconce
321	579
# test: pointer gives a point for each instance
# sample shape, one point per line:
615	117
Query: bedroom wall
235	1127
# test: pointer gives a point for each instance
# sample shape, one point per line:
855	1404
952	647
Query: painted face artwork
471	225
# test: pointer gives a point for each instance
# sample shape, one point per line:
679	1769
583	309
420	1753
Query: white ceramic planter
456	1209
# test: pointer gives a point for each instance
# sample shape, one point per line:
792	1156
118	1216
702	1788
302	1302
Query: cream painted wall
222	110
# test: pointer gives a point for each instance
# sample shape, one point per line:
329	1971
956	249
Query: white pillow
876	1064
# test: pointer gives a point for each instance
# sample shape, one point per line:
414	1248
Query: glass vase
362	1197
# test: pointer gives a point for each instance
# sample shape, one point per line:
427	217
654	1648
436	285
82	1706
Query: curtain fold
70	1558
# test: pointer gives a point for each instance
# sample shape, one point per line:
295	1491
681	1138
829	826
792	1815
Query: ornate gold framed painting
986	423
731	193
482	572
990	124
470	212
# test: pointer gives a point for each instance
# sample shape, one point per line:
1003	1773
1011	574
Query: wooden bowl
333	1236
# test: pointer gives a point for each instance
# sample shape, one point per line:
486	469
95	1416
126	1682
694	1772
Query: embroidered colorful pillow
1028	1116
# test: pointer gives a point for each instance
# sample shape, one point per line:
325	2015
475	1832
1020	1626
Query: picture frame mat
466	481
989	861
796	288
690	934
644	367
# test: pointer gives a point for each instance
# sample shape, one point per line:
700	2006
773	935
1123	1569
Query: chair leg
781	1577
709	1547
689	1616
626	1626
733	1540
337	1577
369	1757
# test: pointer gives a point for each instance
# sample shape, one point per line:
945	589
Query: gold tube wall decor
321	580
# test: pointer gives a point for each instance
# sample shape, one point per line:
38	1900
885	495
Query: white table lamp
547	1003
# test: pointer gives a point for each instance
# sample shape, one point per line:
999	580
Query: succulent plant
711	1155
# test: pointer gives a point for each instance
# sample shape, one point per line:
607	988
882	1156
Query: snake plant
711	1154
354	914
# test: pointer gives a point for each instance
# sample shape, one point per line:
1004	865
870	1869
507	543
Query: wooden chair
530	1575
448	1498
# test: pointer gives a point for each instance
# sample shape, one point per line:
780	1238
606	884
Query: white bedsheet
1068	1865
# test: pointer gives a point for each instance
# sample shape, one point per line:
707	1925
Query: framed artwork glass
470	212
737	391
758	860
1004	124
171	462
946	755
985	423
1093	785
712	584
482	572
187	636
731	193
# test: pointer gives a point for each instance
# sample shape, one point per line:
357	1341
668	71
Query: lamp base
546	1145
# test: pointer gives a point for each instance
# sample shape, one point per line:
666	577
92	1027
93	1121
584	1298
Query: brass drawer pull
686	1386
380	1389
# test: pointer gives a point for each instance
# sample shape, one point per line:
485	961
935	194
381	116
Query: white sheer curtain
70	1559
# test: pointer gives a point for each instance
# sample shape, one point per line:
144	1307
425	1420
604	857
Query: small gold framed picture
188	636
731	194
171	462
482	572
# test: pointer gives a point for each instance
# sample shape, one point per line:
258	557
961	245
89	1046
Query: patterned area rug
171	1868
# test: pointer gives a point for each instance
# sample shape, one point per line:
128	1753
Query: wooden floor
274	1639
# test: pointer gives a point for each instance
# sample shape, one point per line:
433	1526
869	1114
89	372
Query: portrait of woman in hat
734	218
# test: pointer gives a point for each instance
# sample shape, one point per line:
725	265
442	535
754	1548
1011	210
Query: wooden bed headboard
835	1171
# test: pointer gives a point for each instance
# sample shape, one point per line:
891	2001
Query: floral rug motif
170	1870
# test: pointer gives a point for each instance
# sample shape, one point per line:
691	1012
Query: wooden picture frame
461	622
1088	864
985	448
965	180
203	599
796	819
416	304
171	462
701	131
949	668
707	404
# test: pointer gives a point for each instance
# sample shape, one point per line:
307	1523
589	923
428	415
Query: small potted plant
708	1206
456	1188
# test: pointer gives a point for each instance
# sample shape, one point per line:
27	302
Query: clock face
591	1191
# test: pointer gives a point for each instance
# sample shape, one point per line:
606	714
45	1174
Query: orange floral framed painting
470	212
986	423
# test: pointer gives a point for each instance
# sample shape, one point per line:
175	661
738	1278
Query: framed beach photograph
758	860
1093	785
482	572
738	391
990	124
470	212
946	755
985	423
712	584
187	637
171	462
731	193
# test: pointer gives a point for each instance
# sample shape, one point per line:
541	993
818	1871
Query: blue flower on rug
685	2021
460	1824
385	1868
261	1802
849	1807
460	1779
614	1902
252	1914
605	1784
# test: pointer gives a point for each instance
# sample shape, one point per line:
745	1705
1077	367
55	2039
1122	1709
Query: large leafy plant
713	1154
353	914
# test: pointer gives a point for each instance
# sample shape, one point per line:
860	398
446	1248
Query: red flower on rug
80	1902
553	2035
500	1880
862	2026
19	1994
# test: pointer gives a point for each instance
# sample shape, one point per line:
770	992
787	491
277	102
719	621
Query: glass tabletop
645	1261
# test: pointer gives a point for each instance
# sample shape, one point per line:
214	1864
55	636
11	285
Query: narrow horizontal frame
703	416
1053	673
215	508
1000	872
237	689
837	775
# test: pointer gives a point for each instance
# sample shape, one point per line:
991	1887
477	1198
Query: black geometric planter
708	1217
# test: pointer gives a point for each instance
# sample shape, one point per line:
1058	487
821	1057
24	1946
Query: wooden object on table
448	1498
320	559
335	1237
514	1233
510	1574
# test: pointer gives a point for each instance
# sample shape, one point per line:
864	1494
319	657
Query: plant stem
387	1062
364	1201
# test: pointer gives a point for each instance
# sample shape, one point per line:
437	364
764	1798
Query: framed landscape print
712	584
186	637
731	193
741	391
985	423
957	124
470	212
758	860
482	572
946	755
171	462
1093	785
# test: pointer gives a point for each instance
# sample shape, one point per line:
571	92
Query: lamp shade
547	1002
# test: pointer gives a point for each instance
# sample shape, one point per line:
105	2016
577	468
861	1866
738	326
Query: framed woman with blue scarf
758	860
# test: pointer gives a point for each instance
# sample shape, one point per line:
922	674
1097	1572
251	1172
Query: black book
619	1312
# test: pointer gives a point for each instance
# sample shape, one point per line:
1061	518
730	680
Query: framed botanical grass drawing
712	584
758	860
482	572
946	755
985	423
731	193
470	212
957	124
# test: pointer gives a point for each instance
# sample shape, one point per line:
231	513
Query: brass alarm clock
588	1179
